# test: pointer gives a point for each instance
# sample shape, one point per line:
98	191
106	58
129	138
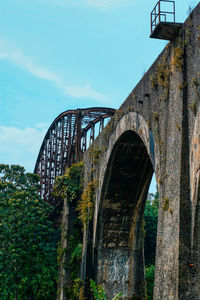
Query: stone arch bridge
156	129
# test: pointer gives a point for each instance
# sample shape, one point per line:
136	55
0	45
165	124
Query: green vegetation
86	203
161	76
155	116
99	292
166	204
70	184
163	73
28	266
177	58
149	272
69	187
193	107
94	153
150	219
195	82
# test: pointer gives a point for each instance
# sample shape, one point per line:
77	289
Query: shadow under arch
118	251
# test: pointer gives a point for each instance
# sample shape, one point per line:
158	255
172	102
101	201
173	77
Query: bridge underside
120	259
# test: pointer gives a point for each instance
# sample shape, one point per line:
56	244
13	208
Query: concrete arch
131	121
123	187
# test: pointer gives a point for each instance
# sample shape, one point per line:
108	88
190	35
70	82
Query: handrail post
174	10
157	13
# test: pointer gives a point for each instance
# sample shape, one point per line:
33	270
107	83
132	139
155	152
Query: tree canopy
28	266
151	220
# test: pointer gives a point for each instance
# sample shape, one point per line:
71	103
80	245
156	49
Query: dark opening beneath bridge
119	249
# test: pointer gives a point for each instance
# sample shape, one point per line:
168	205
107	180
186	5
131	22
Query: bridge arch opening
119	249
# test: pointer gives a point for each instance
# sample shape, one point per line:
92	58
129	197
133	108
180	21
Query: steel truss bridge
70	134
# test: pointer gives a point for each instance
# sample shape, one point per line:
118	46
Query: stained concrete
155	129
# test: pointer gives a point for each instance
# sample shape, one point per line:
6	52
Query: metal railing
158	14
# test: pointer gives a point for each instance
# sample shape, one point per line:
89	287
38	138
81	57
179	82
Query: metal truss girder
65	142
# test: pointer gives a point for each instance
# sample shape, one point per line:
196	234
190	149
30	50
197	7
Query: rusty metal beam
65	142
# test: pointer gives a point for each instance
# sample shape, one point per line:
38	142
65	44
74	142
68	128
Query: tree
149	272
150	227
28	266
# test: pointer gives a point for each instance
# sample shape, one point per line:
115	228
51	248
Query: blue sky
62	54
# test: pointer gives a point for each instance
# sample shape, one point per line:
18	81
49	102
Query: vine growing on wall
69	188
71	183
86	203
80	203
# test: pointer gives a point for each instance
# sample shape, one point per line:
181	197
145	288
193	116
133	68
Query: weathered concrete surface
157	128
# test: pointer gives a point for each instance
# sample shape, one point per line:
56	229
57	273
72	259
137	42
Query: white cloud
28	137
20	146
84	92
18	58
44	125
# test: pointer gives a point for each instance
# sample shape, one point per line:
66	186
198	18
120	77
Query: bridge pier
157	128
